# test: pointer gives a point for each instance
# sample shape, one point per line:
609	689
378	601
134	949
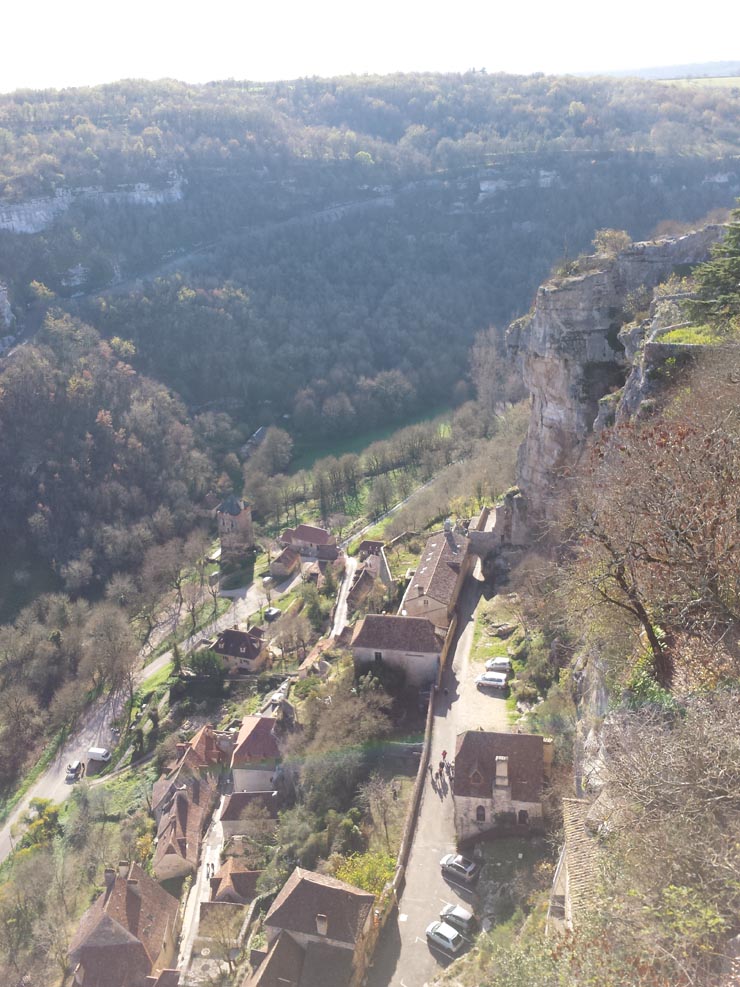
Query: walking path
201	889
403	957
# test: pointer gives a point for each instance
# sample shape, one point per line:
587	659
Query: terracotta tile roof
369	546
306	895
414	634
475	764
240	644
439	567
582	849
183	822
235	804
121	935
202	749
288	556
256	741
308	533
233	880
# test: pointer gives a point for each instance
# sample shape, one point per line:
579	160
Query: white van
98	754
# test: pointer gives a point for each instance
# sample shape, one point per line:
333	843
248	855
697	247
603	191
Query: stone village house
409	644
319	931
498	780
128	936
435	587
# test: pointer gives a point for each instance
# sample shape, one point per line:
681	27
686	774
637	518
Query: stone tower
234	528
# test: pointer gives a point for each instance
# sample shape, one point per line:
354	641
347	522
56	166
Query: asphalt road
403	957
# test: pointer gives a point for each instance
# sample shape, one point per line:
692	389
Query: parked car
459	918
445	938
492	680
499	665
272	613
74	771
460	868
98	754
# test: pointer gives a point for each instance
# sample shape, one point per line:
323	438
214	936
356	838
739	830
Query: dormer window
476	778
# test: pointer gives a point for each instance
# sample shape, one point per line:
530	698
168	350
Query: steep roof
281	966
306	895
475	764
439	567
582	850
256	741
181	825
231	505
233	879
288	556
317	964
240	644
310	533
120	936
237	802
379	631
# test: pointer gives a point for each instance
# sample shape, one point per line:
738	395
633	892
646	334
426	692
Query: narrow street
403	957
340	615
201	888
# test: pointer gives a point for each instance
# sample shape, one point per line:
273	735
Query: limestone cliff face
37	214
571	354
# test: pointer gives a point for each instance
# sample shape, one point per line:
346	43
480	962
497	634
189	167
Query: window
476	778
378	657
480	814
523	817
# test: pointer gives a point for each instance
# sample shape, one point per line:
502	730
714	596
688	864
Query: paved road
95	726
403	958
340	614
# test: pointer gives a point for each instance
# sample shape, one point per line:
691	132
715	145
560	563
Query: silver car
459	868
459	918
445	938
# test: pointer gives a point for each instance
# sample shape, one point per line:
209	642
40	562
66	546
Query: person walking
444	756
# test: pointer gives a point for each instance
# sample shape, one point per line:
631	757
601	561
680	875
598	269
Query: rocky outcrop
36	215
571	353
6	312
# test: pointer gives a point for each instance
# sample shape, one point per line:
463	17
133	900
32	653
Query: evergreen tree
718	301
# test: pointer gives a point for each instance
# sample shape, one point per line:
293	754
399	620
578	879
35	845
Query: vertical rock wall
571	355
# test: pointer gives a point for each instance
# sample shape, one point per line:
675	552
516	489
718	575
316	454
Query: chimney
123	868
322	924
548	752
109	876
502	772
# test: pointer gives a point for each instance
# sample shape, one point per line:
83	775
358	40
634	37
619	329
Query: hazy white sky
85	42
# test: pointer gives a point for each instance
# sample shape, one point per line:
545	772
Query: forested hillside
318	254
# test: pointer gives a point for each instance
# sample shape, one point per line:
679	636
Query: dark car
459	918
459	868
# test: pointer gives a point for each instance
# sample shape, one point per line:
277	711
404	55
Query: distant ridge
696	70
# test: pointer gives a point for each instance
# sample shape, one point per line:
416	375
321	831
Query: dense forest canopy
318	254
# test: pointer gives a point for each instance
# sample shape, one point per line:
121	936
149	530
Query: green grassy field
306	454
722	82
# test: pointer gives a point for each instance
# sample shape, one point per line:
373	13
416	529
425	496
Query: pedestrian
444	755
441	768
